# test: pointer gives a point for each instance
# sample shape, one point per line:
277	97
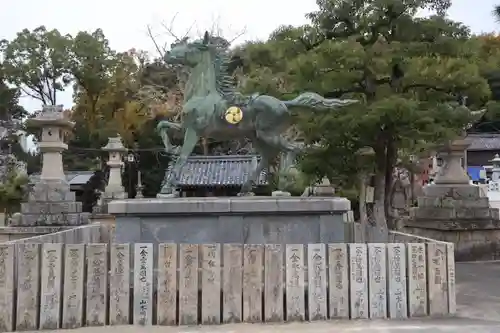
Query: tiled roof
229	170
484	141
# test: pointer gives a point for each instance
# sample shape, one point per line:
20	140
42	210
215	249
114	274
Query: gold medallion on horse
233	115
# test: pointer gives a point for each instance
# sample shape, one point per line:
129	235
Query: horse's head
188	53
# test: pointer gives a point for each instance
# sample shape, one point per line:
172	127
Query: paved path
478	303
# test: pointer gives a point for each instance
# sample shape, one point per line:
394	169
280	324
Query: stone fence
73	285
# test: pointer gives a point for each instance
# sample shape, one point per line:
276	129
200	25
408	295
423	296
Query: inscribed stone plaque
273	282
167	284
143	284
119	285
232	283
97	286
210	284
338	280
438	278
50	300
450	261
417	280
188	284
316	278
295	301
359	280
74	256
7	287
396	262
252	283
377	278
28	276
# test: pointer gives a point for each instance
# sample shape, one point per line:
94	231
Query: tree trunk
390	162
379	214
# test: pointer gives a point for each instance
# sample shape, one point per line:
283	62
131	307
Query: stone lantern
116	150
54	125
452	172
50	201
495	172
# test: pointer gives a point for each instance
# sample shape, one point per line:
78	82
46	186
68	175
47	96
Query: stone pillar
114	189
50	201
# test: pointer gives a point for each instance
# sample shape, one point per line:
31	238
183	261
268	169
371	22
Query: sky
125	22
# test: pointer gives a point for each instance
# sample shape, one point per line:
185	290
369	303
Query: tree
496	12
13	186
36	62
91	62
11	115
408	73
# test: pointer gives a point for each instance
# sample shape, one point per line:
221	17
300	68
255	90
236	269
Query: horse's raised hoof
246	194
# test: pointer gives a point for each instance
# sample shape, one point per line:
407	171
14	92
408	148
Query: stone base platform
50	203
257	220
458	214
16	233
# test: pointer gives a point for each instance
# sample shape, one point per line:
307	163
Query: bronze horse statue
214	109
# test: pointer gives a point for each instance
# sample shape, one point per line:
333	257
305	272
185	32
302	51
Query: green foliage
13	191
408	72
36	62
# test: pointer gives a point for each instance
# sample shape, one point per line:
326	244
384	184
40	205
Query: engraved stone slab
252	283
7	287
377	278
316	278
188	284
273	282
417	280
97	286
210	284
73	285
28	276
295	301
167	284
119	285
450	262
338	280
396	262
438	279
233	283
359	280
50	300
143	284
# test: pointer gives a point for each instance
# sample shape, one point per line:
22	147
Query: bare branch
238	35
150	34
170	29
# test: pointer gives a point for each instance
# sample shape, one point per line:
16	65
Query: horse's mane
224	81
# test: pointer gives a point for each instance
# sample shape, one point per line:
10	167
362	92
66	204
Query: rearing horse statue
214	109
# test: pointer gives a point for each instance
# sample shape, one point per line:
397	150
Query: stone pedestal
50	201
454	210
249	220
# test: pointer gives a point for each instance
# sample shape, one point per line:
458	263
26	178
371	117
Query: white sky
124	22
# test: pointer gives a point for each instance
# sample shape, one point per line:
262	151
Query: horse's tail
315	101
